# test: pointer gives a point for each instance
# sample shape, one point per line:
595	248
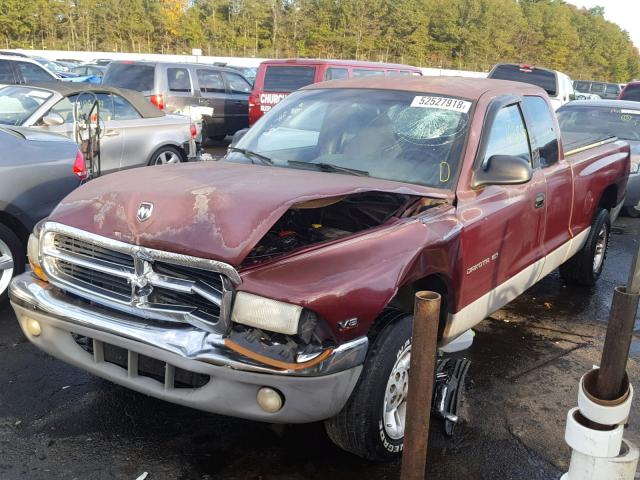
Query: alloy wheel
395	397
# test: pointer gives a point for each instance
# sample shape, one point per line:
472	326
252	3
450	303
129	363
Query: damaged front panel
323	220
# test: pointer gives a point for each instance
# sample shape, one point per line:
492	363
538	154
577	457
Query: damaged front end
309	224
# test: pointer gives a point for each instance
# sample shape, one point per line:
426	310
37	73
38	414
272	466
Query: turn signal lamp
33	254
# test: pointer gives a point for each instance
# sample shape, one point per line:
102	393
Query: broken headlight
265	313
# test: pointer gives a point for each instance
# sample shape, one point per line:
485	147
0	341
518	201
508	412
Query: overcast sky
625	13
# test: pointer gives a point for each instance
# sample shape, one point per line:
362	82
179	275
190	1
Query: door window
544	138
210	81
334	73
508	135
178	80
33	73
237	84
597	88
6	73
123	110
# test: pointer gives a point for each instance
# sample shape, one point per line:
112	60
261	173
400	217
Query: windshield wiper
330	167
251	155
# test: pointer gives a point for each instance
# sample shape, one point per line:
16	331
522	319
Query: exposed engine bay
327	219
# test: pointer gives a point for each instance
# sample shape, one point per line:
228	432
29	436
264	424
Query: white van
558	85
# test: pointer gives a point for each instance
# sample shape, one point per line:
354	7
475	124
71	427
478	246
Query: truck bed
574	142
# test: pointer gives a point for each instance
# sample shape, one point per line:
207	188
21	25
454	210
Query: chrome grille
148	283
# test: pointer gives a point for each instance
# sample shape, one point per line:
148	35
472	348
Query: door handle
539	203
111	133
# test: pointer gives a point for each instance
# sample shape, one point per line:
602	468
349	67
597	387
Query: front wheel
12	259
372	423
166	156
585	267
632	212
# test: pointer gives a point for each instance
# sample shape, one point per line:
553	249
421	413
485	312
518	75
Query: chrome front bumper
310	395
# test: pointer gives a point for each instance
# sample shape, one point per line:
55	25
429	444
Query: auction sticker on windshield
443	103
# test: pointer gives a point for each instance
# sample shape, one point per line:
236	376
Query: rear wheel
166	156
372	423
585	267
12	259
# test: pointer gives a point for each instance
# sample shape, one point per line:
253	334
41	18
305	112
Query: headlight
33	253
272	315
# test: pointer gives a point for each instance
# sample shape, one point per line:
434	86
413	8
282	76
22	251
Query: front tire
632	212
371	425
585	267
167	156
12	259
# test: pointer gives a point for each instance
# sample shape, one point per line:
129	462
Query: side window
508	135
210	81
178	80
6	73
123	110
65	107
33	73
582	87
334	73
597	88
365	72
237	84
611	89
542	131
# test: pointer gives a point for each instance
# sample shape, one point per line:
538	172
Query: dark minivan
217	95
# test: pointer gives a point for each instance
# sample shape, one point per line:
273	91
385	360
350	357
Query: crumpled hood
209	210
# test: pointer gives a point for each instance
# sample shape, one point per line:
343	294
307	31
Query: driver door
501	243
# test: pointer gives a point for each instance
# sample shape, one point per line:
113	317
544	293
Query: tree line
461	34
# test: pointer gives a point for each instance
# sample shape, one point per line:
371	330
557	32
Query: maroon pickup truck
277	285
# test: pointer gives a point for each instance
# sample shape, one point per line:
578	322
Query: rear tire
12	259
585	267
167	156
362	427
632	212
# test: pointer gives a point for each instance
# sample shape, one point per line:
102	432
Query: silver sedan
134	132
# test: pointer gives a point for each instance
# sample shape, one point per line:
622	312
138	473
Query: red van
278	78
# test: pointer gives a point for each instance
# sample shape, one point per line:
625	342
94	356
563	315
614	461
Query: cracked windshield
390	135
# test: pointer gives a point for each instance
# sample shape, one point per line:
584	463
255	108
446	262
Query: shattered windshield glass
393	135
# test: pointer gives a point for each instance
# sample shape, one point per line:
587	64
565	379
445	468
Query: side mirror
237	136
53	119
572	96
503	170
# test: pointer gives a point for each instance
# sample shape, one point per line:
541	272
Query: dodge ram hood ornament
144	211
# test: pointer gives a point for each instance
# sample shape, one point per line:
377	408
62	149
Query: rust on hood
211	210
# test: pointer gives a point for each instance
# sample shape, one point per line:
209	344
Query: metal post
421	378
615	352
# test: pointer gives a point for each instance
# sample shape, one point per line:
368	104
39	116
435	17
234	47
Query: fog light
270	400
33	327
